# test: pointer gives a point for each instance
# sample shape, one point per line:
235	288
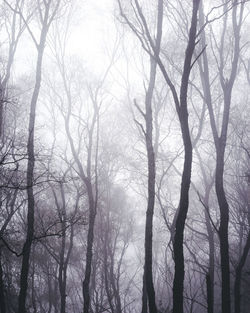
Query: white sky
95	32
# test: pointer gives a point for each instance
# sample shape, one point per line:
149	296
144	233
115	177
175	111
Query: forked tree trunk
220	140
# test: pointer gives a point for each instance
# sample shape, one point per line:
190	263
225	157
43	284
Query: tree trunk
148	274
179	228
30	179
223	231
148	292
210	274
62	274
220	140
89	253
186	175
92	197
237	283
144	296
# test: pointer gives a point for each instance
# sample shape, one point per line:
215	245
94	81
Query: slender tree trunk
89	253
210	274
114	279
148	274
237	283
62	276
186	175
223	230
91	200
179	228
92	195
30	179
220	140
148	292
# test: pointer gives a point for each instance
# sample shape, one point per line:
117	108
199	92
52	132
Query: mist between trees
125	157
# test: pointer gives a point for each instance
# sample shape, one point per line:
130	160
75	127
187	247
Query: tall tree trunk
221	140
186	175
179	227
30	178
148	292
181	109
223	230
148	274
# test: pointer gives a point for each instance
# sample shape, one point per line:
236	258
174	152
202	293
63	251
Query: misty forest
124	156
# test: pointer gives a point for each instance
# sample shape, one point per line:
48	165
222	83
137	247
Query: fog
125	173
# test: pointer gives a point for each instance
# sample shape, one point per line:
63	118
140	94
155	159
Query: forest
124	156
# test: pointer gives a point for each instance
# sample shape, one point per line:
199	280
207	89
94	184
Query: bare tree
182	111
220	132
148	293
46	12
